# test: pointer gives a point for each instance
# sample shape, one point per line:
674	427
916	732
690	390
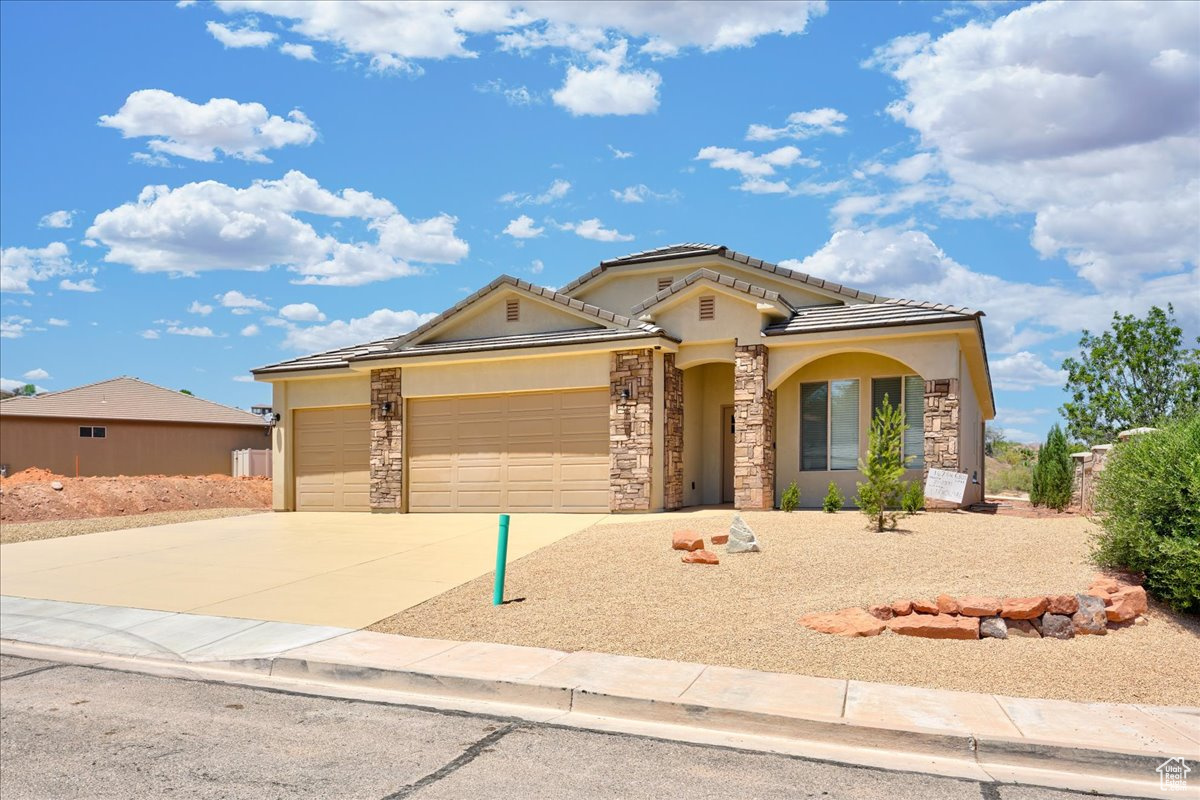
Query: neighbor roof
887	313
126	398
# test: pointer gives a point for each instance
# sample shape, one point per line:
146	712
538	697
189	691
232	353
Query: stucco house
687	375
124	426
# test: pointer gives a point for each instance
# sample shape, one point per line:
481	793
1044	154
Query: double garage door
543	451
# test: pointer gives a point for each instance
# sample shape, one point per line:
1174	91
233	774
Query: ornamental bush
791	497
1052	475
913	499
1148	498
834	499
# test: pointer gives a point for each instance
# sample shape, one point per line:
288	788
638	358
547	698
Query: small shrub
791	498
913	499
1148	496
1052	475
883	468
834	500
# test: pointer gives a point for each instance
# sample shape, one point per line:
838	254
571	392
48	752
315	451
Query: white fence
251	463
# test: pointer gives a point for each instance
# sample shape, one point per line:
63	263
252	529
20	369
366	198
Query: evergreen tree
1052	475
883	468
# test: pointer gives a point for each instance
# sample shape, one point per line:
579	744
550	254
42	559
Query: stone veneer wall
672	434
753	430
387	440
630	441
941	430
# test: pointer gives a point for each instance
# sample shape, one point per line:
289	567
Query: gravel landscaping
12	532
619	588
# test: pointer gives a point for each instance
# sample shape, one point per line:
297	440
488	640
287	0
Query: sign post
501	561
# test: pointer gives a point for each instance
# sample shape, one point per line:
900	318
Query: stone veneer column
630	443
753	430
387	440
941	430
672	434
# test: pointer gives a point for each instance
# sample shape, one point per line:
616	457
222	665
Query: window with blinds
708	307
907	392
814	425
513	310
829	425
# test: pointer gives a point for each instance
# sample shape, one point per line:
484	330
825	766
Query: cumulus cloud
619	154
1023	371
208	225
639	193
37	374
19	266
250	330
302	312
594	229
239	37
199	308
523	227
801	125
85	285
235	299
55	322
758	171
300	52
379	324
15	326
557	191
608	89
513	95
57	219
149	333
1083	115
243	378
178	127
202	332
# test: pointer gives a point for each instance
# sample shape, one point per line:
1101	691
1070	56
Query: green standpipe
501	561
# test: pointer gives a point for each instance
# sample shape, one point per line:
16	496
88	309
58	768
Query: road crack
31	671
465	757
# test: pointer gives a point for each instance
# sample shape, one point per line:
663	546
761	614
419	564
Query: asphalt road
80	732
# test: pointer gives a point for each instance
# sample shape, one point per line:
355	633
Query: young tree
1137	374
1052	475
883	468
29	390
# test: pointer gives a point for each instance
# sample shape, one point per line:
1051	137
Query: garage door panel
542	451
332	459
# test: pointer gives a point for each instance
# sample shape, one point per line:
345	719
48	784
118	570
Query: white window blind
814	422
843	424
914	418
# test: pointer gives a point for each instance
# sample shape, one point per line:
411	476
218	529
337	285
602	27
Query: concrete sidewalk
1089	747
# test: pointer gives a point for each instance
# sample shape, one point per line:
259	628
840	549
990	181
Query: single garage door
332	458
544	451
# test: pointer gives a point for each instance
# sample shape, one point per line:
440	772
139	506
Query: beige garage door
332	458
545	451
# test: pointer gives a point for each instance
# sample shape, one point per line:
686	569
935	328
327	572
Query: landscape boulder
701	557
1064	604
902	608
993	628
881	611
924	607
1023	628
847	622
686	540
1126	603
1023	607
742	539
1057	626
947	604
1091	617
942	626
1102	585
979	606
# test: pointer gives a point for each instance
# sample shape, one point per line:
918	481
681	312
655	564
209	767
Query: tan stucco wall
489	318
735	317
580	371
928	356
813	483
705	389
970	434
129	448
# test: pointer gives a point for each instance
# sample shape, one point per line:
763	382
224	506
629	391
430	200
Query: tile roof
715	277
126	398
887	313
546	339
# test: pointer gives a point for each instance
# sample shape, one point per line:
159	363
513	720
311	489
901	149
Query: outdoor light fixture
975	478
385	408
272	419
625	395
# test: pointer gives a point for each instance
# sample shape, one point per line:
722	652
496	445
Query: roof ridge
719	278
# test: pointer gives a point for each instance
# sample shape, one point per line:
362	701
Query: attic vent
708	307
665	283
513	310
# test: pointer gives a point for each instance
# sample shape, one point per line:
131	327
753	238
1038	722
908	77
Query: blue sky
189	191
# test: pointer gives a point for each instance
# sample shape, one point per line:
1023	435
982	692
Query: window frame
92	431
918	461
828	384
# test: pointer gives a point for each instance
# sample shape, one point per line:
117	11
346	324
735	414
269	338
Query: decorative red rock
942	626
902	608
924	607
947	604
1127	603
1064	604
701	557
1102	585
1023	607
719	538
686	540
847	622
881	611
979	606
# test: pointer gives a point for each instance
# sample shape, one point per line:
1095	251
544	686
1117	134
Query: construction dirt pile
35	494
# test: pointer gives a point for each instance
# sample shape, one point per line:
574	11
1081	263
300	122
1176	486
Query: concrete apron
1110	749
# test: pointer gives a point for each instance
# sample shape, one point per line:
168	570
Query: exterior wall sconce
975	478
272	419
625	395
385	408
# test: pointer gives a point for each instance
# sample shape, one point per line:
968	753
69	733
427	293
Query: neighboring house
689	375
124	426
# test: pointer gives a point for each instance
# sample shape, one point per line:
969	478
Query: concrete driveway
346	570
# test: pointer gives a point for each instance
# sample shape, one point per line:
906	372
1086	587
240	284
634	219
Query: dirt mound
29	497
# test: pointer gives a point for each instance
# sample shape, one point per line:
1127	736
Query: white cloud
377	325
38	374
639	193
239	37
537	267
21	265
235	299
801	125
619	154
149	334
243	378
523	227
85	285
178	127
1023	371
594	229
199	308
57	219
203	332
756	169
15	326
55	322
209	225
557	191
302	312
250	330
1083	115
9	385
300	52
608	88
513	95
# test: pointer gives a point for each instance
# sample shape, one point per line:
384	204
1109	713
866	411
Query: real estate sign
945	485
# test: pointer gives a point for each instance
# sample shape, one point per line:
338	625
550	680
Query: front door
726	454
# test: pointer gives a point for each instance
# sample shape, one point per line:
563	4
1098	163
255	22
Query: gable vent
665	283
512	310
708	307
